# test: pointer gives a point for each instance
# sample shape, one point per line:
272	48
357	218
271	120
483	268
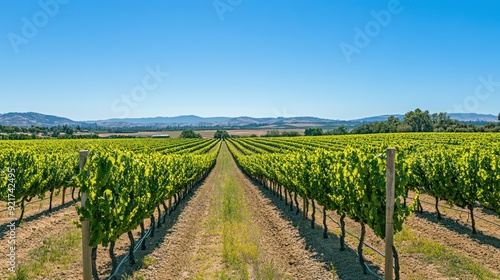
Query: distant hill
34	119
212	121
37	119
378	118
473	117
189	119
245	121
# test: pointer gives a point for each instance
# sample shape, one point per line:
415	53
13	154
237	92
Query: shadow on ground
4	226
152	243
327	250
458	227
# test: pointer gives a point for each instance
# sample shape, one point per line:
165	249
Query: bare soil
37	225
188	247
191	249
453	231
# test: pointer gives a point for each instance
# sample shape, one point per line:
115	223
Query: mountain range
41	120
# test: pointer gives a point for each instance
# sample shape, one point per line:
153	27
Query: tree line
413	121
36	132
423	121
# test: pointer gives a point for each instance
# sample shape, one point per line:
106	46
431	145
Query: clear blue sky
93	59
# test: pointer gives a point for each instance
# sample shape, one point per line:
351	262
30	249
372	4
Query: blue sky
335	59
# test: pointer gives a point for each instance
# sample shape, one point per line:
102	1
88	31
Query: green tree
273	133
490	125
189	134
363	129
341	130
67	129
393	123
290	133
313	131
441	122
419	121
221	134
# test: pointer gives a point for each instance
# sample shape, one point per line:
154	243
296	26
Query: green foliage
392	124
277	133
34	173
20	274
132	277
147	261
414	121
273	133
189	134
418	120
221	134
460	175
124	188
289	133
125	179
350	182
35	132
341	130
313	131
347	174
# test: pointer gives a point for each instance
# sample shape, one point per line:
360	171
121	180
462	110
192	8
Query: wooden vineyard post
389	213
86	249
304	206
63	195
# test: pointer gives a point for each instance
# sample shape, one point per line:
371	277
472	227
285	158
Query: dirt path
192	244
188	243
454	231
288	239
193	248
36	226
461	252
